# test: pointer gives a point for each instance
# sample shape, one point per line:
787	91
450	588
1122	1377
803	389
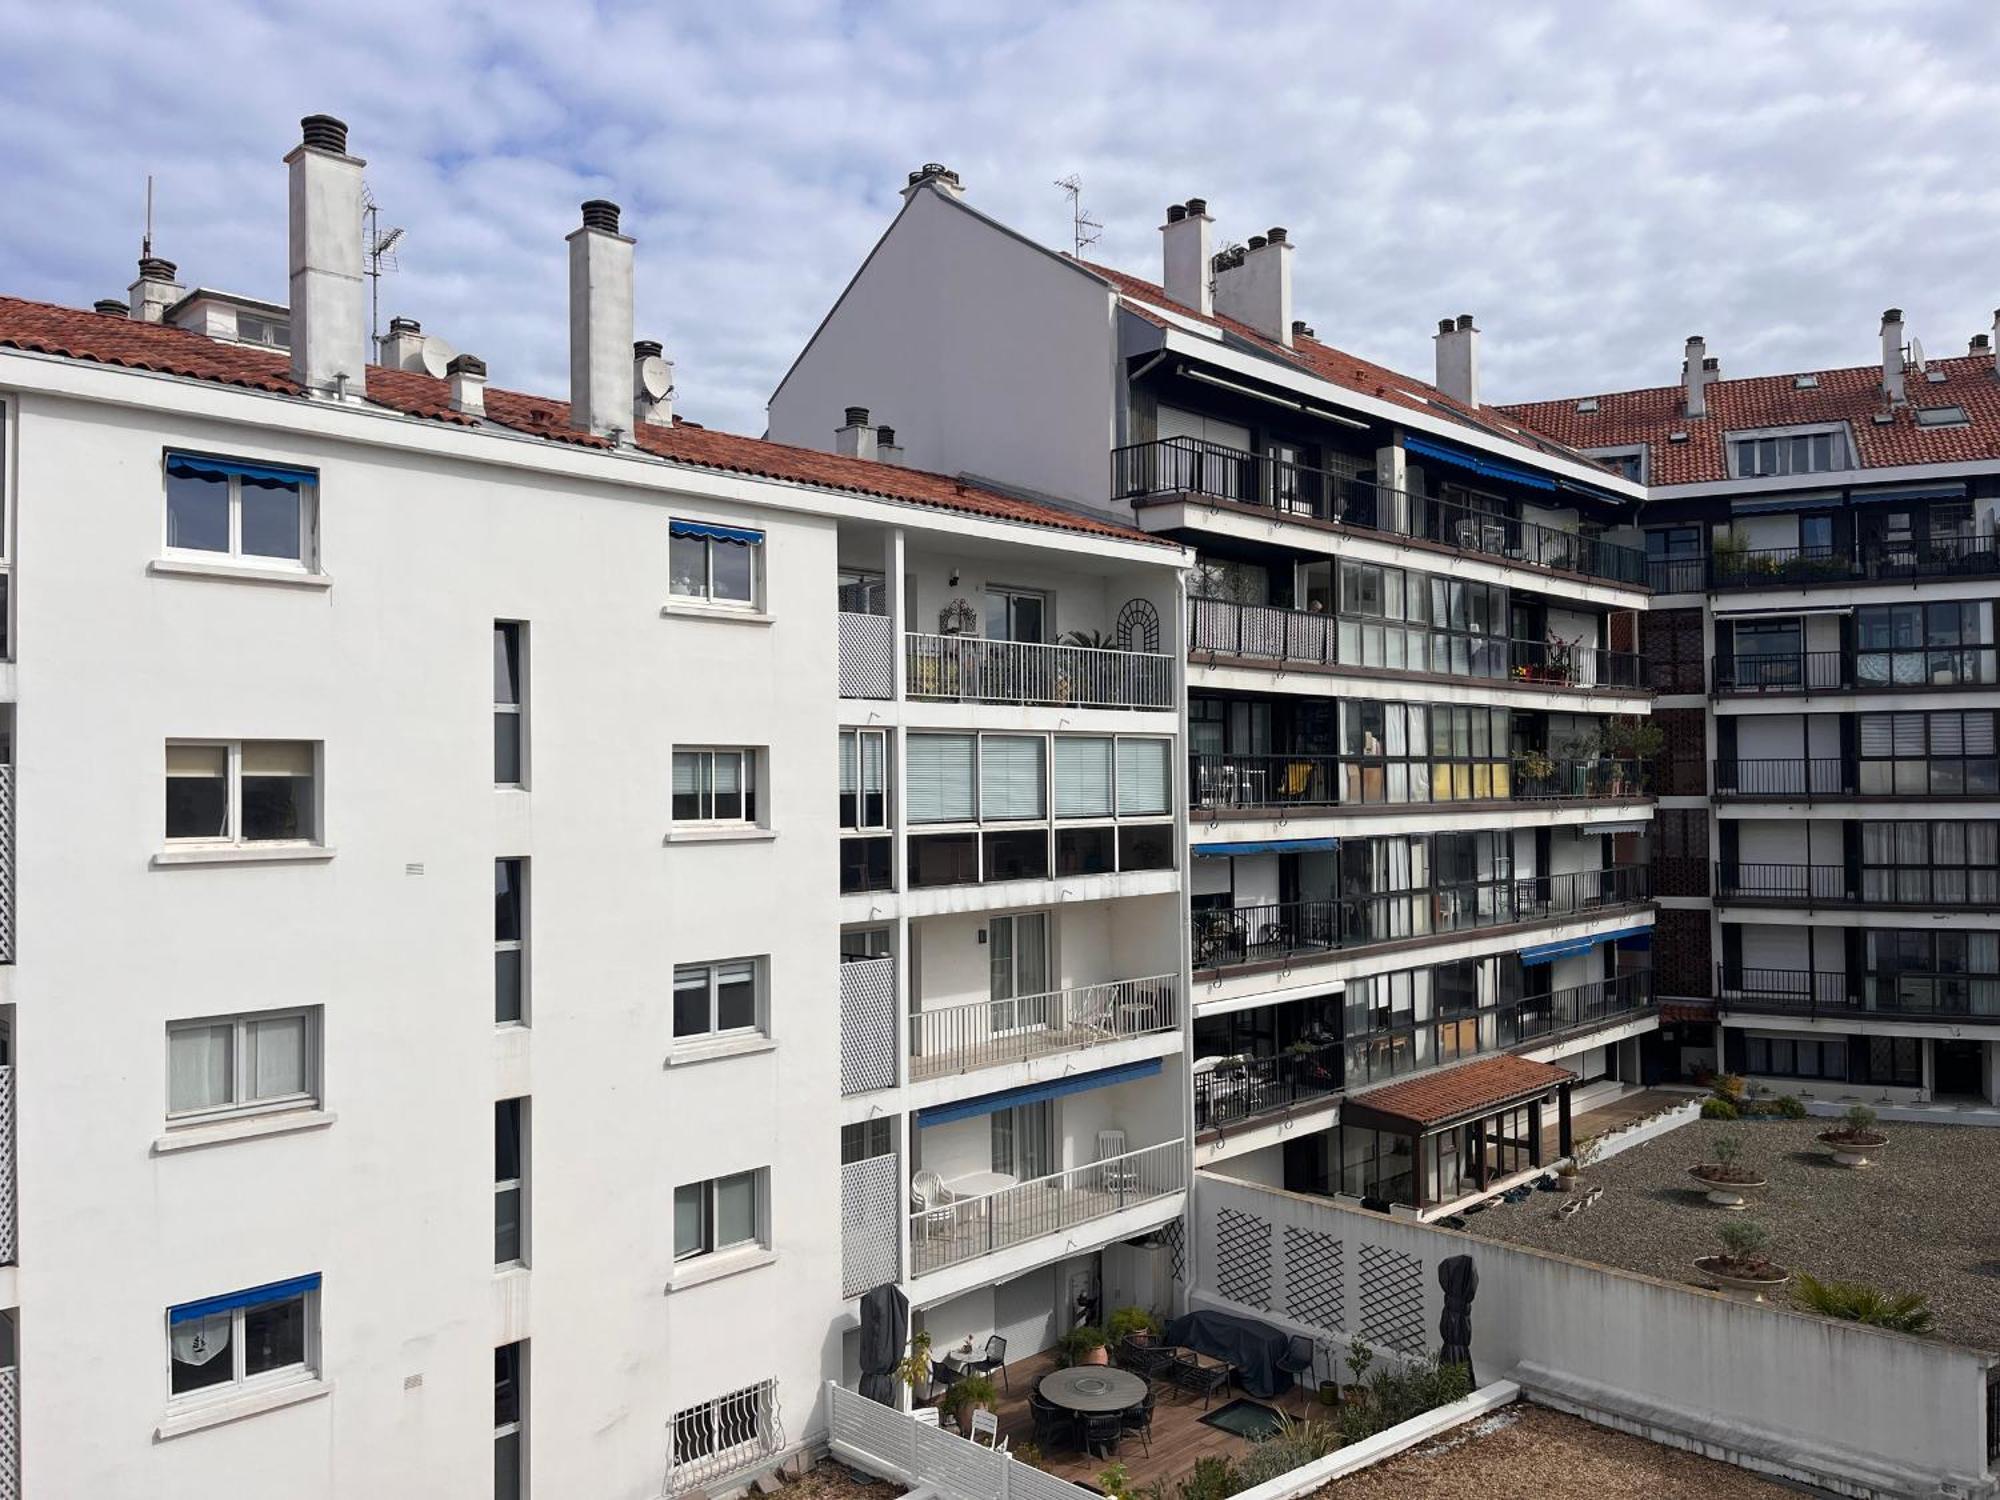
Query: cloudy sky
1594	181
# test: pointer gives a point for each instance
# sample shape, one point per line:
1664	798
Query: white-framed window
241	510
1811	450
510	942
261	1336
715	564
715	785
1626	463
864	780
510	1420
718	999
242	791
510	1182
256	1063
510	703
721	1213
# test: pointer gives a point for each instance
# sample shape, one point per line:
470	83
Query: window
255	513
865	1140
510	941
1013	777
1016	615
718	564
1626	463
1145	780
1421	622
864	780
265	1335
1397	752
1926	972
510	717
1945	754
719	999
1931	864
715	1438
221	1066
939	769
723	1213
715	786
1773	1055
1944	644
1022	1140
510	1182
242	791
272	333
1789	453
510	1420
1942	416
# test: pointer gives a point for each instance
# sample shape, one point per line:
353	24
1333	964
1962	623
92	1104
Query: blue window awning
255	1296
1035	1093
1786	507
201	465
1492	468
1262	846
1548	953
1910	492
714	532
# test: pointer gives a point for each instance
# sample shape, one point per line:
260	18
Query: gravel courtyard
1926	1219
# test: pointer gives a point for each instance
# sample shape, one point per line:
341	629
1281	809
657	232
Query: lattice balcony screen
1392	1299
867	1025
870	1215
867	656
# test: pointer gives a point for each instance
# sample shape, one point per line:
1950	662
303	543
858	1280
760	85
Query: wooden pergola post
1565	1145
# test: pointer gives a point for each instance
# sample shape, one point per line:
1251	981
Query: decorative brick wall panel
1683	764
1674	659
1682	965
1680	851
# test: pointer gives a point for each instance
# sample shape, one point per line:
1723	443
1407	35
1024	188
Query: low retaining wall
1652	1127
1387	1444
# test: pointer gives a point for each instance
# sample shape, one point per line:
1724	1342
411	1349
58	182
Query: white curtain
277	1057
198	1067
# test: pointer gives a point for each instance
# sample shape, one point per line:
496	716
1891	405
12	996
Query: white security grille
6	864
867	1025
713	1439
6	1166
867	656
870	1205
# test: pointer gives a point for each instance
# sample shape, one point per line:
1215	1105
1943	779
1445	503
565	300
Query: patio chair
928	1197
1141	1359
1299	1357
1101	1433
1191	1375
1137	1421
927	1416
986	1425
1055	1426
1114	1176
994	1360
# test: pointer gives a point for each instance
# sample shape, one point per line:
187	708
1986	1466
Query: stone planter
1856	1153
1728	1194
1741	1288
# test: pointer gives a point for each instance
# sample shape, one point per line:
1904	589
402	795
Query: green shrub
1126	1321
1860	1119
1727	1149
1078	1342
1789	1106
1115	1480
1906	1312
1211	1478
1292	1445
970	1390
1728	1086
1743	1239
1395	1396
1718	1108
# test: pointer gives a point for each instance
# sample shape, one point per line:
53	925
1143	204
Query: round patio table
1092	1389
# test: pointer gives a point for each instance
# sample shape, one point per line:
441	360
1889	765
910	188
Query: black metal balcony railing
1241	1088
1803	567
1899	995
1905	669
1783	884
1281	783
1788	991
1592	1004
1677	575
1229	936
1816	776
1564	780
1188	466
1960	887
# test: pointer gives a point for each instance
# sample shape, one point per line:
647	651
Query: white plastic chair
1114	1176
928	1197
984	1423
927	1416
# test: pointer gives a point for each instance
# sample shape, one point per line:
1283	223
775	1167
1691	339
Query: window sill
693	611
175	567
707	1268
220	1132
248	1404
743	835
245	854
701	1052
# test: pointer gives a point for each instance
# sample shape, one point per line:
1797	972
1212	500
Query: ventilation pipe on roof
937	175
329	304
1698	373
1892	355
154	292
467	374
855	438
1258	290
652	385
1996	341
600	324
1184	255
111	307
887	450
1458	359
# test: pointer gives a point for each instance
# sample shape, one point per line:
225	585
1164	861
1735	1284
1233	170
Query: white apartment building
439	1027
1418	789
1821	547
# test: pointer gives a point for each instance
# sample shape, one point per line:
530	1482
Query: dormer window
1626	463
1942	416
1775	454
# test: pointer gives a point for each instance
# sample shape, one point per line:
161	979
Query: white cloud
1594	182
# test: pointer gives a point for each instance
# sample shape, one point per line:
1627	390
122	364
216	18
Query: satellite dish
1917	355
656	377
437	356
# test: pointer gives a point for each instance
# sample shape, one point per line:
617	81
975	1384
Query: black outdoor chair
994	1360
1191	1376
1138	1421
1142	1359
1055	1426
1299	1357
1102	1432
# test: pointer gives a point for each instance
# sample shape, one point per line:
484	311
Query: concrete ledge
1650	1128
1357	1456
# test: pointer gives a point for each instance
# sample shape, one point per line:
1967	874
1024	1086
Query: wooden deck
1179	1435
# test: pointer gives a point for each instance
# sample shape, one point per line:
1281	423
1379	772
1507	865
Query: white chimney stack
652	385
855	438
1698	373
1186	275
1458	359
402	347
329	307
1892	355
154	292
1257	290
467	376
600	323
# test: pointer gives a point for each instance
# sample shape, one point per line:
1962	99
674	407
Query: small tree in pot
1743	1270
1727	1178
1855	1142
969	1393
1083	1345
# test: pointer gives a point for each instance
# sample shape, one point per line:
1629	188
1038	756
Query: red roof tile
1456	1093
103	339
1853	396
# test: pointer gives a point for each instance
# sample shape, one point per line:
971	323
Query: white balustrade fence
969	669
893	1445
986	1033
713	1439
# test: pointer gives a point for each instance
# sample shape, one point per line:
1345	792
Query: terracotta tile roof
1853	396
100	338
1457	1093
1349	371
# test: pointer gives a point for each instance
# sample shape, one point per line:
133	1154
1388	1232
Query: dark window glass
202	1355
507	984
1019	855
197	792
864	865
736	998
274	1336
1147	846
944	859
506	1385
197	511
271	512
691	1003
507	1169
507	900
1084	851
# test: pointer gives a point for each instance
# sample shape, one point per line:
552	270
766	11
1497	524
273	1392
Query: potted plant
1743	1270
1134	1323
914	1368
1114	1480
969	1393
1083	1345
1727	1179
1359	1358
1532	765
1855	1142
1581	1154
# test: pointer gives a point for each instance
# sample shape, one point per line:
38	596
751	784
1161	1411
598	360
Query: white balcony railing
867	656
968	669
986	1033
870	1199
962	1229
867	1025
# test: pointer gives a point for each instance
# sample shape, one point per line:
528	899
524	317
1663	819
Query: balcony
1867	562
1230	937
992	1033
1824	996
1785	778
970	669
1902	670
1172	468
1231	1090
1286	784
962	1228
1758	884
1937	778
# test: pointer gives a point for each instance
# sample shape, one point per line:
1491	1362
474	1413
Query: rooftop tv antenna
1084	230
146	243
379	247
